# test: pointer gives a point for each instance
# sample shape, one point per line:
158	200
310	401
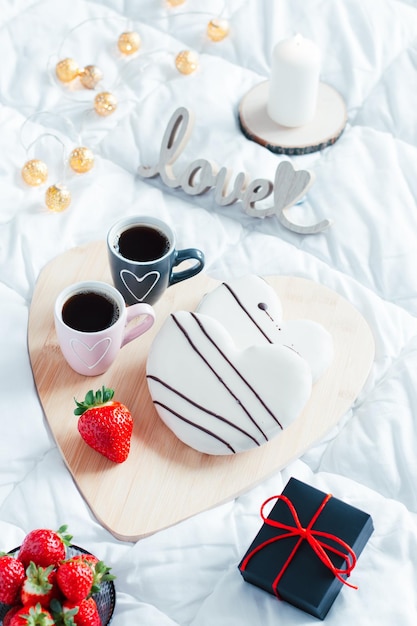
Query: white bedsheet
366	183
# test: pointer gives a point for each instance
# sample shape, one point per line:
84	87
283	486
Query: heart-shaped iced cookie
216	397
251	311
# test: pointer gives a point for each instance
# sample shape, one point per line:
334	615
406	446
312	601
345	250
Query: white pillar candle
295	73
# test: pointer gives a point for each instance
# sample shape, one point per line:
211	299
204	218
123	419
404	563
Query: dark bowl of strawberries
50	581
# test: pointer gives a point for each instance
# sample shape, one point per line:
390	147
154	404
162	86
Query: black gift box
306	582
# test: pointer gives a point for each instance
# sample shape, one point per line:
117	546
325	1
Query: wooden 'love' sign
199	176
164	481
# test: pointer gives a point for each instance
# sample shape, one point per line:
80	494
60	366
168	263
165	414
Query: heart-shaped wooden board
164	481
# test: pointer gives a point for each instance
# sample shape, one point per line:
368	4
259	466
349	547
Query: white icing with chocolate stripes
217	397
251	311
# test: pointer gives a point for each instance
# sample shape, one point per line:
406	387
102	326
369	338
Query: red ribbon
314	538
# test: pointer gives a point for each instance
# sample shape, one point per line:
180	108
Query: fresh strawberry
8	617
86	615
39	585
12	575
100	570
89	558
44	547
75	579
32	616
105	425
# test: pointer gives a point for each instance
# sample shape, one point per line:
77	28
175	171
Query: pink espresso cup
91	323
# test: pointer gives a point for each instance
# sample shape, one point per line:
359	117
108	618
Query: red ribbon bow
314	538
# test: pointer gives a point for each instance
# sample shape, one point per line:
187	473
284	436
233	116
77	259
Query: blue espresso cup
142	257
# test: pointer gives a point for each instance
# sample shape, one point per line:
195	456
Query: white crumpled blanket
366	183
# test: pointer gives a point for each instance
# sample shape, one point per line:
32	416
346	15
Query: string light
129	42
35	171
186	61
67	70
57	198
105	103
90	76
217	29
81	160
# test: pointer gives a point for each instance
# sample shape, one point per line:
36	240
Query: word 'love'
201	175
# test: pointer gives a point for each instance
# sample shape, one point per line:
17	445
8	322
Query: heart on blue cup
143	256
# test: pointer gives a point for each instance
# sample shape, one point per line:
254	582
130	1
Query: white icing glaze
198	378
235	305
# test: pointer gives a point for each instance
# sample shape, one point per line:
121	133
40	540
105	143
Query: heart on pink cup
91	355
93	323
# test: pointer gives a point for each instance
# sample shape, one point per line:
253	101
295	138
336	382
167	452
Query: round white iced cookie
251	311
219	398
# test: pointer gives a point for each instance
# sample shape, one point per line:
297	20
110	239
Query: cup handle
185	255
136	310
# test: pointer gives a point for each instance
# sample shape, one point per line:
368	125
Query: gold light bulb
217	29
105	103
66	70
90	76
129	42
81	160
57	198
186	61
35	172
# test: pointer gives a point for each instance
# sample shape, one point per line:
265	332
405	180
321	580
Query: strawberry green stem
100	397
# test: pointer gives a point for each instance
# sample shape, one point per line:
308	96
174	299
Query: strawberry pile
43	586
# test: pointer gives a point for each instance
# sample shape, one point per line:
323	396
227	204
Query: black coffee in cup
90	311
143	243
144	259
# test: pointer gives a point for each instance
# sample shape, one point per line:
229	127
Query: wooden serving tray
164	481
